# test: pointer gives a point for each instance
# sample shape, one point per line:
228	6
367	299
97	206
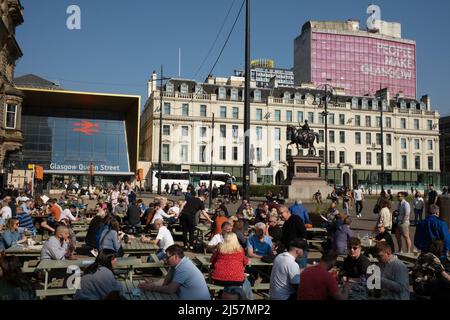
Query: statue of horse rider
305	130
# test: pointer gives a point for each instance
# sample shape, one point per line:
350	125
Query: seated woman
341	237
110	238
229	262
12	236
98	280
14	284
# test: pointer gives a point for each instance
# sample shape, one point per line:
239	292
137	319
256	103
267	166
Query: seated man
55	248
285	275
184	278
394	274
164	239
383	235
227	227
259	245
355	264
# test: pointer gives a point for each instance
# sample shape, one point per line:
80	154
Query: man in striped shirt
25	220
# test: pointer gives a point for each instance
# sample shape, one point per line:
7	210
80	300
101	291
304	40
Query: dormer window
422	106
169	87
184	88
257	95
402	104
384	103
365	104
287	95
354	103
234	94
222	93
374	105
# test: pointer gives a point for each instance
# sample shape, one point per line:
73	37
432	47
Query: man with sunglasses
184	278
355	264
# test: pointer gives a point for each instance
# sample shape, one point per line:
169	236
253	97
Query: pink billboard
363	65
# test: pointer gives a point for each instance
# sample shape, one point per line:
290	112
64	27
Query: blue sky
120	43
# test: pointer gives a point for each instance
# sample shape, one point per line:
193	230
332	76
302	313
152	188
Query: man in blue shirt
299	210
259	245
430	229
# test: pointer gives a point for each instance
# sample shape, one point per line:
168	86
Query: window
202	132
368	138
286	95
331	118
277	134
342	119
223	153
417	162
416	124
165	152
288	134
234	94
257	97
202	153
357	137
403	143
378	122
430	144
402	123
331	136
416	144
258	154
402	104
288	116
184	131
321	154
288	153
166	108
166	130
388	122
235	113
277	154
368	158
378	138
184	153
389	159
184	88
185	110
358	157
430	163
374	104
365	104
259	114
311	117
235	131
332	159
222	93
358	120
10	118
320	118
341	136
368	121
258	133
354	103
404	162
223	131
341	156
169	87
321	136
202	110
300	116
223	111
378	158
430	124
277	115
235	153
388	139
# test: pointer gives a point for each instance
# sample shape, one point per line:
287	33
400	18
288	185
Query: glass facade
361	64
70	144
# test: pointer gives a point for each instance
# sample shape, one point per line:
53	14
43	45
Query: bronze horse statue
303	138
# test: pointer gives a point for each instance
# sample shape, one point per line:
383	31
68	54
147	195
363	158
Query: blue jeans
245	291
161	255
303	261
418	215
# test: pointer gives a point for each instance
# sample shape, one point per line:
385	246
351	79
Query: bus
185	178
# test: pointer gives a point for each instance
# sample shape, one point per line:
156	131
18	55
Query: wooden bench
54	292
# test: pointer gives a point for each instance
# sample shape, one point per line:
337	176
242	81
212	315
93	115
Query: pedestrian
358	196
418	204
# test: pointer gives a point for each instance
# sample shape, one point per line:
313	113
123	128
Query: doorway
346	180
279	178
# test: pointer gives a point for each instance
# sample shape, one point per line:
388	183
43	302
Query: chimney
152	84
210	79
427	100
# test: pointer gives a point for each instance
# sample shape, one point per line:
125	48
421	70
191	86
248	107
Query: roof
33	81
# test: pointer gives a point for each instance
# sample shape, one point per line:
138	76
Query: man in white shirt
6	212
68	213
358	196
285	275
164	239
227	227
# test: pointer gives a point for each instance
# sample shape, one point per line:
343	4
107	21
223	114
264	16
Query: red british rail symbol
86	127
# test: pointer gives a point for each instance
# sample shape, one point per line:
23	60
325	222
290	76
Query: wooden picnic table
407	257
24	251
135	246
132	292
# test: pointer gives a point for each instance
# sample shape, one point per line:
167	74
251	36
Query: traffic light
38	172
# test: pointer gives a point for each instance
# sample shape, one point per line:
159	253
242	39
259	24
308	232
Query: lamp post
211	165
382	147
246	171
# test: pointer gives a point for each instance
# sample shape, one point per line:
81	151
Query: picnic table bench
132	292
135	247
24	251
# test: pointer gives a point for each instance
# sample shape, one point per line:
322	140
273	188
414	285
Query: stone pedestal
304	178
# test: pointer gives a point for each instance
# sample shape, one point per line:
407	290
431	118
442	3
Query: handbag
376	209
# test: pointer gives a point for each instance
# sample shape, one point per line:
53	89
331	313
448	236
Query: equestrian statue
304	137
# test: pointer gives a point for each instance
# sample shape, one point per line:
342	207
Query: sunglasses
353	248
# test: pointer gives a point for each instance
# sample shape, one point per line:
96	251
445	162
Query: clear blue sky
121	42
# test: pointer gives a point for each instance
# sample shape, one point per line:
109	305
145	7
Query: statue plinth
304	178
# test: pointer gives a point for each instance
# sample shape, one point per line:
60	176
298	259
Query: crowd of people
272	232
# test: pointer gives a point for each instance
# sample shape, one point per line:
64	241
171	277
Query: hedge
261	190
